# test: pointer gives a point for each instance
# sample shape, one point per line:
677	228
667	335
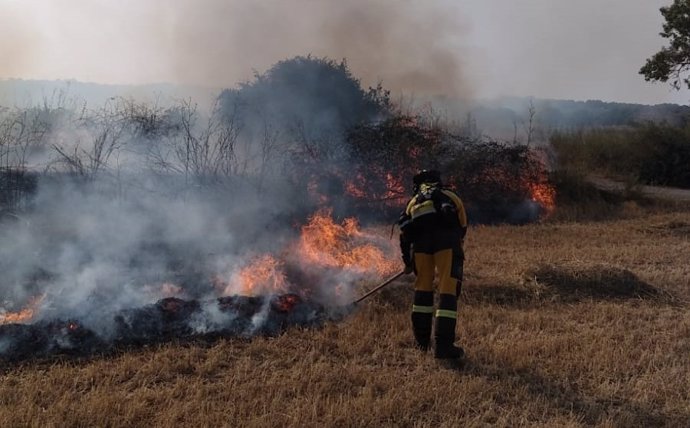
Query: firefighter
432	229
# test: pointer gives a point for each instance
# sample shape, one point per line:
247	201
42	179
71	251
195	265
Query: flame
545	195
327	244
323	244
395	189
394	192
25	314
263	275
352	189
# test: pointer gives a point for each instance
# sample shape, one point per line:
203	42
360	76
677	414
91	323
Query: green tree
671	62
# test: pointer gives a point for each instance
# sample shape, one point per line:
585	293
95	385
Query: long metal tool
380	286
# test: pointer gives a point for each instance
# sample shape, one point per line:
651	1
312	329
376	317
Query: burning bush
500	182
385	156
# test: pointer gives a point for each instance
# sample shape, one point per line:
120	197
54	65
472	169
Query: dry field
570	324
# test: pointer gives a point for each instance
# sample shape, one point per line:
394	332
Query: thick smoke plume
411	46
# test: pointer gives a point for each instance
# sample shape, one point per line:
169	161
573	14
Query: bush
649	154
664	155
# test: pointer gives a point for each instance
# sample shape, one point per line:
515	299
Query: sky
561	49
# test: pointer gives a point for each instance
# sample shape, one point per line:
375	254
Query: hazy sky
585	49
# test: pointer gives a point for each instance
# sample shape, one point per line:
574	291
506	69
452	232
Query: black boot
421	326
422	318
446	320
449	352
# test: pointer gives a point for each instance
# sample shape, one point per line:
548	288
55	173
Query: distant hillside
504	117
577	114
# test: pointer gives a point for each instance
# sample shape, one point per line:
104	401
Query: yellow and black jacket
434	219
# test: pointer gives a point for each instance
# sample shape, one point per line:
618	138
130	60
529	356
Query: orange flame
322	244
327	244
354	191
394	192
25	315
395	189
545	195
263	275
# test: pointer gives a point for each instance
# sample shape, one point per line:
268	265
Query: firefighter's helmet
426	176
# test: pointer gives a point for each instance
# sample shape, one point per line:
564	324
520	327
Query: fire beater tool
378	287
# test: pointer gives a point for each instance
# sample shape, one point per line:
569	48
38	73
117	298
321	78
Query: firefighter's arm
460	208
406	250
404	222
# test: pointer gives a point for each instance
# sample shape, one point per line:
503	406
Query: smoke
92	252
97	252
140	204
410	46
18	45
211	319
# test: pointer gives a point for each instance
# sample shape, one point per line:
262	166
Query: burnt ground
167	320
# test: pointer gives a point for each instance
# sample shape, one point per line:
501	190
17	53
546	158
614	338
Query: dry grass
564	325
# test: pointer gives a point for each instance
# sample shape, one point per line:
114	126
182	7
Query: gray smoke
94	251
411	46
137	204
17	45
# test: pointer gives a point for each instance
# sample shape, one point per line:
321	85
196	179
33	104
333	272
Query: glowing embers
390	191
544	194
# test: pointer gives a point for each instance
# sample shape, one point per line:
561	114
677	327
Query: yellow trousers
441	262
